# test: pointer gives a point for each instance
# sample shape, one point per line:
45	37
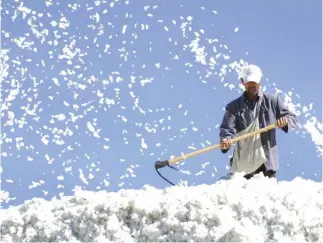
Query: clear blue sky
283	38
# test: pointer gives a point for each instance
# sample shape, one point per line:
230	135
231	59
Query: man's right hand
226	143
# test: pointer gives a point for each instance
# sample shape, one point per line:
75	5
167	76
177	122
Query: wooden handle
247	135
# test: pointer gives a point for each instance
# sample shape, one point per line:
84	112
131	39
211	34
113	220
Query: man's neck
251	96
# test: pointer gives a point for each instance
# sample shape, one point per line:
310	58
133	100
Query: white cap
251	73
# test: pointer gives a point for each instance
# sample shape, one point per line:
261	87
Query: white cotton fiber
257	210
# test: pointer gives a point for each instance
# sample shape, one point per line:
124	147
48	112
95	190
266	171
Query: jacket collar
259	94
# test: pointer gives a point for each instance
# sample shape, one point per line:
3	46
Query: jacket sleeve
283	111
227	127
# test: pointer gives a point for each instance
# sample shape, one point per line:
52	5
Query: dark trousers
262	169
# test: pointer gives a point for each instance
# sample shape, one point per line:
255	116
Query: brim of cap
252	78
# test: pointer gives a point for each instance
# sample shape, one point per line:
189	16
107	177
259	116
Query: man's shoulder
234	104
270	97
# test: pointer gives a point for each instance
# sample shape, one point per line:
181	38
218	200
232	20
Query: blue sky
106	89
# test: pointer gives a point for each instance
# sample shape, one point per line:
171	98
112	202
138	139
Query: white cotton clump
59	117
45	140
236	210
143	82
68	53
11	116
131	171
143	144
53	23
35	184
124	28
82	177
312	126
200	173
94	132
4	196
200	55
12	94
64	23
183	129
231	86
205	164
315	129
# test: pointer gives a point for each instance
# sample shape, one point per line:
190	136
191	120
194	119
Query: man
253	110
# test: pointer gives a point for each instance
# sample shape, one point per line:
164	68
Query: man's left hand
281	122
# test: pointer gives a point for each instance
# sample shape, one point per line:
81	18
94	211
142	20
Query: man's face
252	87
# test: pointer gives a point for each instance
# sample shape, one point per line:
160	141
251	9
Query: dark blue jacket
239	114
